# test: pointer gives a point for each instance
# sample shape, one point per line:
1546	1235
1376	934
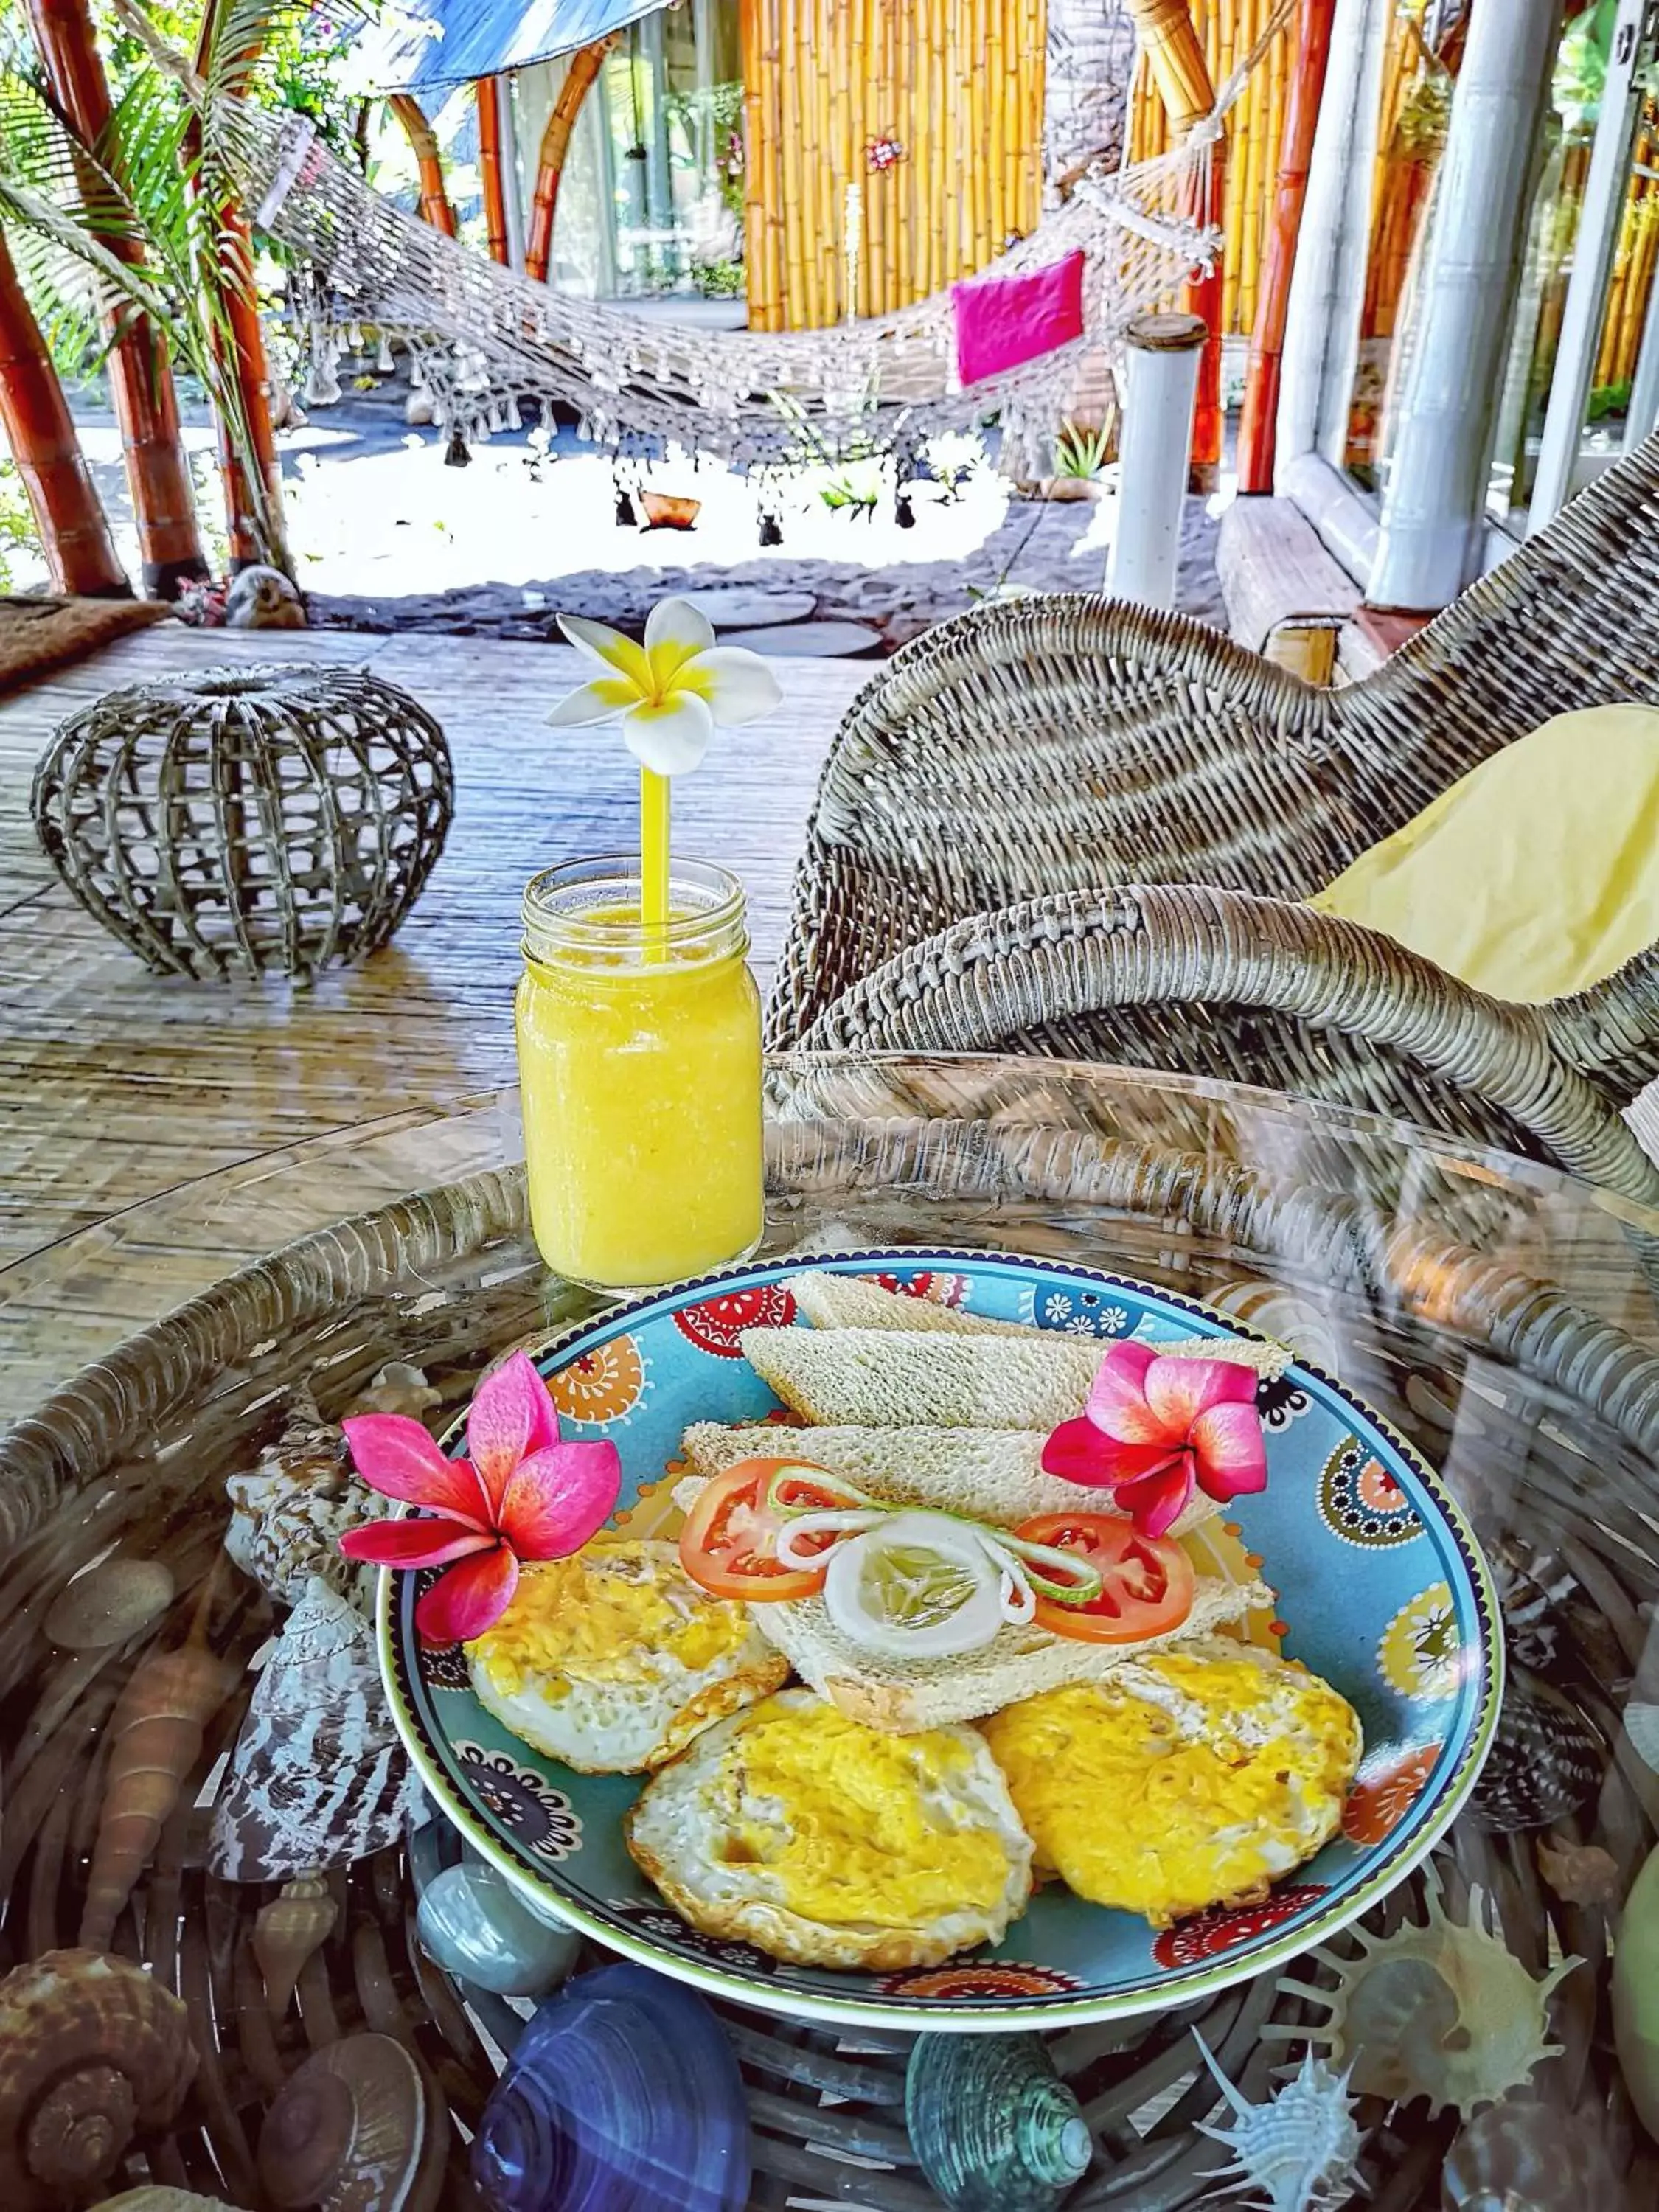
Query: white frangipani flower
669	692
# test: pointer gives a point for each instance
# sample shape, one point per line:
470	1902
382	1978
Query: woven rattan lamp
267	820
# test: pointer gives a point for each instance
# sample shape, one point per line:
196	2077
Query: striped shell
318	1777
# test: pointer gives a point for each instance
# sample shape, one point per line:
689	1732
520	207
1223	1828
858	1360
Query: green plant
16	523
158	182
1080	450
851	494
718	280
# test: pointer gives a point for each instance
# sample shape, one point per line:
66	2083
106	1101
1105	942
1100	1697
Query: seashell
108	1604
623	2090
356	2130
477	1926
97	2055
400	1389
1546	1759
152	2199
156	1735
286	1931
993	2125
1582	1874
292	1509
1517	2157
1635	1994
1444	2011
318	1777
1300	2148
1641	1726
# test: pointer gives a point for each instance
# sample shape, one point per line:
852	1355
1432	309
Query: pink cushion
1004	320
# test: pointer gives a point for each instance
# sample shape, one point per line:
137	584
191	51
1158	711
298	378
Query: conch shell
1524	2157
1444	2012
1299	2149
291	1510
286	1933
318	1777
96	2054
156	1736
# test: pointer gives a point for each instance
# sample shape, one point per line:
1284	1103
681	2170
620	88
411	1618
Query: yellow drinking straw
655	811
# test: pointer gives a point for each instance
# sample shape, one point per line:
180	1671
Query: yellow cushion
1539	873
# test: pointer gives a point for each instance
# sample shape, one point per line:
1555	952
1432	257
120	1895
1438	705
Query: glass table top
1498	1314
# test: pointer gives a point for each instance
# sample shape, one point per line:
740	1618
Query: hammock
483	339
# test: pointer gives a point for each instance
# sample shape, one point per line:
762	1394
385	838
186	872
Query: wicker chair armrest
999	975
969	686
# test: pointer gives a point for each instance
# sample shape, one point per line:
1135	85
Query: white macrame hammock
485	339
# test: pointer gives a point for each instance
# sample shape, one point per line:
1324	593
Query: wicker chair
1048	749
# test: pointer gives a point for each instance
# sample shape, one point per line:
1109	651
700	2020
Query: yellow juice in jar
640	1070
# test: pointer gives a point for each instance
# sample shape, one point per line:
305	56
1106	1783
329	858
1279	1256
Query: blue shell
477	1926
994	2127
623	2095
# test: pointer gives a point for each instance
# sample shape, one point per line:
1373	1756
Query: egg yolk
857	1827
1194	1785
606	1615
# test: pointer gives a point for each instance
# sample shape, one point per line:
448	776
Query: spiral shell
286	1933
992	2124
1299	2149
356	2130
97	2054
1445	2012
291	1509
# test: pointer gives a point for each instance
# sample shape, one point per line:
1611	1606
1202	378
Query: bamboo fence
1634	262
1227	29
958	85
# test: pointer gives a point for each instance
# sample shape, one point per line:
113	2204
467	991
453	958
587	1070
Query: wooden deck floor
116	1084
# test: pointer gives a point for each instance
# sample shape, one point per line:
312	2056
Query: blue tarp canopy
430	45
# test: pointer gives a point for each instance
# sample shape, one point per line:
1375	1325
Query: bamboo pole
423	139
824	218
35	417
585	65
895	185
1175	56
903	214
140	378
757	154
995	58
253	523
1030	212
1257	428
798	307
488	91
859	64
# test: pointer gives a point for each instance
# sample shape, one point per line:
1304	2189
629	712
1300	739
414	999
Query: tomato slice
728	1544
1145	1582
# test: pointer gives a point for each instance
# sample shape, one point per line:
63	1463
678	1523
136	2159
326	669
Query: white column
1634	32
512	177
1434	508
1162	354
1322	322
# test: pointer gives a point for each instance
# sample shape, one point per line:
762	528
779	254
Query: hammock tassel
771	531
626	518
903	513
455	453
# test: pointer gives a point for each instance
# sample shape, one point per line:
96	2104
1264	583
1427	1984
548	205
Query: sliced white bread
987	1475
854	1302
934	1692
884	1378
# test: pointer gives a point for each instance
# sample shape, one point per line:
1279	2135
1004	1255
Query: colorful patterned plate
1380	1589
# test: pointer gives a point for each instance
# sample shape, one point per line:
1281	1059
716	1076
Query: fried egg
829	1844
612	1660
1182	1781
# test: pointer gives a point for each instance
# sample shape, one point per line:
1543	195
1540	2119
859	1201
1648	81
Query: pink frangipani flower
1154	1427
520	1494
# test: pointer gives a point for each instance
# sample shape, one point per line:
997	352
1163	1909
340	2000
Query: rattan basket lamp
247	821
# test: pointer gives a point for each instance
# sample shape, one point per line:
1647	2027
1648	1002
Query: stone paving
1041	545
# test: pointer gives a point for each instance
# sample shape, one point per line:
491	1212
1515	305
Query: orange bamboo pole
585	65
490	173
35	417
1257	428
140	378
434	200
243	361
